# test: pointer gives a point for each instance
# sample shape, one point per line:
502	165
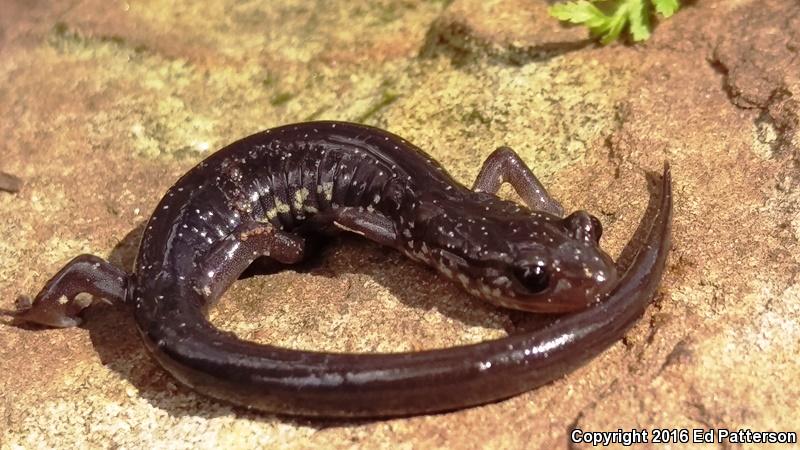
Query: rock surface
762	68
512	31
105	104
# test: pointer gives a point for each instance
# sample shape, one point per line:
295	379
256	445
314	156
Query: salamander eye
534	278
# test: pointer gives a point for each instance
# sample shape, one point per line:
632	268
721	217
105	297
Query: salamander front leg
231	256
57	304
505	166
375	227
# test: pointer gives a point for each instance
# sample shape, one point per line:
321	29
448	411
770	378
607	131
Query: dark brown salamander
267	194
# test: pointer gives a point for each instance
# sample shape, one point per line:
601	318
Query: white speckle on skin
600	276
300	198
502	281
327	190
348	229
281	207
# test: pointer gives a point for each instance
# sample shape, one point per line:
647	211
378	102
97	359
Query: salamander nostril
584	227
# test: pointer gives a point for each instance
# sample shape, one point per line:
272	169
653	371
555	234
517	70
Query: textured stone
511	30
105	104
762	65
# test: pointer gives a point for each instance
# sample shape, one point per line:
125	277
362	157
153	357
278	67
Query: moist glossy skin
265	195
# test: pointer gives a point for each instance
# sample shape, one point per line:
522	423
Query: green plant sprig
611	18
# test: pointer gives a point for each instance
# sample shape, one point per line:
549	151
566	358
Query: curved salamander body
267	195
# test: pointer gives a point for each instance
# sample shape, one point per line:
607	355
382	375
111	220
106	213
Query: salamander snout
574	276
562	268
585	274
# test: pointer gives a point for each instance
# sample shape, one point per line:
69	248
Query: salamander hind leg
505	166
58	304
221	266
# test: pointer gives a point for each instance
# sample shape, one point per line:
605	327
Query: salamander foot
60	313
59	302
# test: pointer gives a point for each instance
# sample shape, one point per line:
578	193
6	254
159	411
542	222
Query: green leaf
639	16
577	12
610	32
666	7
611	29
609	22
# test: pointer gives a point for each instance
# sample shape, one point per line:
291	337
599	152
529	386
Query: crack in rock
758	56
512	32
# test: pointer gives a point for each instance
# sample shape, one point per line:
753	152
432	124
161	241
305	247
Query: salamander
267	196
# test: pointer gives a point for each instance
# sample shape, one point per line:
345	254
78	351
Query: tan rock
105	104
515	31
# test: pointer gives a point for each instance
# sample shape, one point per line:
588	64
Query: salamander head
533	262
567	271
